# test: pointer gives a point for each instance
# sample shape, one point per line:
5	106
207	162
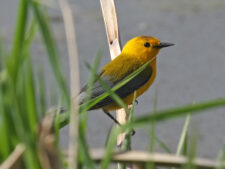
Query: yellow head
144	47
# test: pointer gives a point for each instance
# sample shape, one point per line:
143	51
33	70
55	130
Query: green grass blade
126	144
192	152
183	136
110	146
152	134
30	98
30	35
177	111
57	123
51	49
91	79
163	145
221	158
19	37
84	152
111	93
4	130
112	140
161	115
89	87
42	93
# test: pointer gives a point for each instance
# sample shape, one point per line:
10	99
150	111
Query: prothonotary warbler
135	53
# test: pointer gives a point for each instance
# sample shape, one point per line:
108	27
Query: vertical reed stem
112	31
74	82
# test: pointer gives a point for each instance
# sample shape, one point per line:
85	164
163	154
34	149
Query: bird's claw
133	132
136	101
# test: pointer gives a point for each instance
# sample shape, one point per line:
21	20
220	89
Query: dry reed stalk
74	81
46	142
111	25
13	161
140	158
112	31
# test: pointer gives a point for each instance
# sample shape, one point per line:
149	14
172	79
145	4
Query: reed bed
29	129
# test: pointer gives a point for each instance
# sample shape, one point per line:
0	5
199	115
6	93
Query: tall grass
23	101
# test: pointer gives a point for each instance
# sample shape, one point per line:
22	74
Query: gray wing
122	92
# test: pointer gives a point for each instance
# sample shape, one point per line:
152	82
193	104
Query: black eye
147	44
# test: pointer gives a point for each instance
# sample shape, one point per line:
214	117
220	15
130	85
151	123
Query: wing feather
110	79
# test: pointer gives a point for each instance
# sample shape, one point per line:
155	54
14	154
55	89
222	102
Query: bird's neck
152	60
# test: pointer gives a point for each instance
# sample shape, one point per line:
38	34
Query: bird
135	53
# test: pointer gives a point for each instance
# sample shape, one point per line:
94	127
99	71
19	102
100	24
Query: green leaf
51	50
183	137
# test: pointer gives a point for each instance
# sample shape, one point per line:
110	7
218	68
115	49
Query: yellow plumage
135	53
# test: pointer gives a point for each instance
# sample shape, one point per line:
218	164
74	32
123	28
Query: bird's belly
129	99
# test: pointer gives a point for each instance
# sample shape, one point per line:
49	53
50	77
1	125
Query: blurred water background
193	70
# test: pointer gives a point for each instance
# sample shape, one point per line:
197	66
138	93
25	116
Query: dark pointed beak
163	45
